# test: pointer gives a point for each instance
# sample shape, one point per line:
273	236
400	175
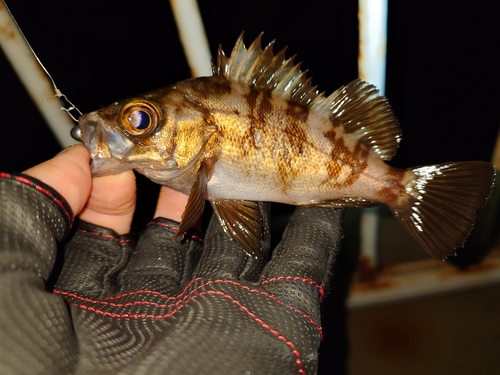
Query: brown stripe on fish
345	166
296	122
211	88
265	108
296	139
394	187
249	137
259	109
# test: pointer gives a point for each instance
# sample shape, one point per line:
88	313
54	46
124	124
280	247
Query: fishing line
62	97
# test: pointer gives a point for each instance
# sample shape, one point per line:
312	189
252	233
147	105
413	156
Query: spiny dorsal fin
357	107
265	70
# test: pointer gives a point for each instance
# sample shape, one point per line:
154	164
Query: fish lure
258	130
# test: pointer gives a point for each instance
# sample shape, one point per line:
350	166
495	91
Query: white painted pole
372	15
193	37
33	77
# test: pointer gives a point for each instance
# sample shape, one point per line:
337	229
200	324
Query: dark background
442	69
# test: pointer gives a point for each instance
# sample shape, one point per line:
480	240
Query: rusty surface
375	285
7	30
366	271
472	269
421	279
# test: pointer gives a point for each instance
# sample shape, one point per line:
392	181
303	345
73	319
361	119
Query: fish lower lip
107	166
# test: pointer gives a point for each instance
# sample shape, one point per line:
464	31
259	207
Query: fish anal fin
440	206
241	221
196	201
344	203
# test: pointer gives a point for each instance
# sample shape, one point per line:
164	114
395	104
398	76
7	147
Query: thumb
69	174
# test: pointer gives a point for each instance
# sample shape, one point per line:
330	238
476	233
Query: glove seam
183	300
105	236
305	280
192	236
184	303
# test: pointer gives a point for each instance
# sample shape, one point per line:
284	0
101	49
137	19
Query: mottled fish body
259	131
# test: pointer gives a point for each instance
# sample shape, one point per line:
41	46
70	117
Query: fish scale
258	130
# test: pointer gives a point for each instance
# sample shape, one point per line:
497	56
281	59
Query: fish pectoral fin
196	201
241	221
344	203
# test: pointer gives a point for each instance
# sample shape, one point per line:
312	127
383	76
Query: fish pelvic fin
357	107
242	222
240	219
196	201
440	204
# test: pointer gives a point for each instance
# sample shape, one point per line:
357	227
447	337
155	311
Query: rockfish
258	130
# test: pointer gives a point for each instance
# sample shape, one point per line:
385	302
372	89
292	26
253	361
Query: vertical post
34	79
372	16
192	35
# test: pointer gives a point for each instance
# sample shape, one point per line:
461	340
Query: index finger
171	204
309	247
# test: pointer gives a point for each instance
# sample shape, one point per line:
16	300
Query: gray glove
158	306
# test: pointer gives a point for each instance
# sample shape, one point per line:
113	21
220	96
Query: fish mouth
107	148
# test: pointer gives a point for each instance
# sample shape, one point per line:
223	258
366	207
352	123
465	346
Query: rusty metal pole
34	78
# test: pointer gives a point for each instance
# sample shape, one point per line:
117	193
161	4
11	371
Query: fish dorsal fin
357	108
263	69
364	114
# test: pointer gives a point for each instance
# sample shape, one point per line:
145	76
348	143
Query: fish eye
139	117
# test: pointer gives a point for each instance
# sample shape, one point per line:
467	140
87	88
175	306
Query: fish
258	130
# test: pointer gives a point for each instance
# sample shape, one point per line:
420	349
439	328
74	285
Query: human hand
107	201
196	307
183	307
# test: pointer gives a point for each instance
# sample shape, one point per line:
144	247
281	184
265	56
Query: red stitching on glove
135	292
192	297
145	291
57	201
105	236
199	239
180	299
261	292
296	278
113	304
47	193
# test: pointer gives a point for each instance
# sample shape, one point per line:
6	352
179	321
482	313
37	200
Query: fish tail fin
440	202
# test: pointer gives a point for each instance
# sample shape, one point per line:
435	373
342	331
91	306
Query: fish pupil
139	119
